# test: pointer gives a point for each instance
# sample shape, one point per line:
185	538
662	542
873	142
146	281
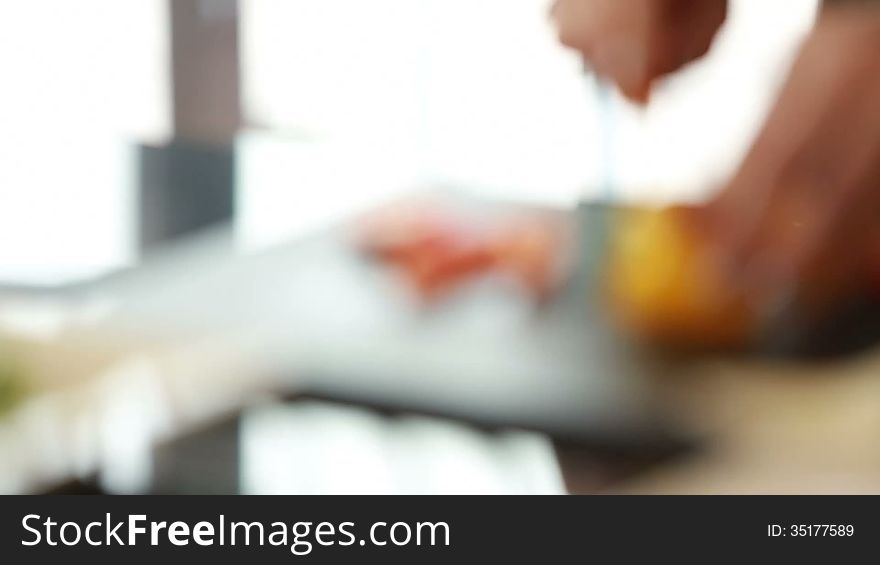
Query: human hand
634	42
798	224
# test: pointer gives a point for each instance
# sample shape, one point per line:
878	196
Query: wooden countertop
771	427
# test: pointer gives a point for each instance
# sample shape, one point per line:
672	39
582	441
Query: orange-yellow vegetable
663	287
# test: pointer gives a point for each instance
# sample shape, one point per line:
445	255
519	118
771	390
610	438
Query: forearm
831	3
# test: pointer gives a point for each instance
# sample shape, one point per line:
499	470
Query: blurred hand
799	218
633	42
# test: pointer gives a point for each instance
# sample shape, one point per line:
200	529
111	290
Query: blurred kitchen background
196	134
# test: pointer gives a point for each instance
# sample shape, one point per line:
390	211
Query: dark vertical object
188	183
184	186
205	68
